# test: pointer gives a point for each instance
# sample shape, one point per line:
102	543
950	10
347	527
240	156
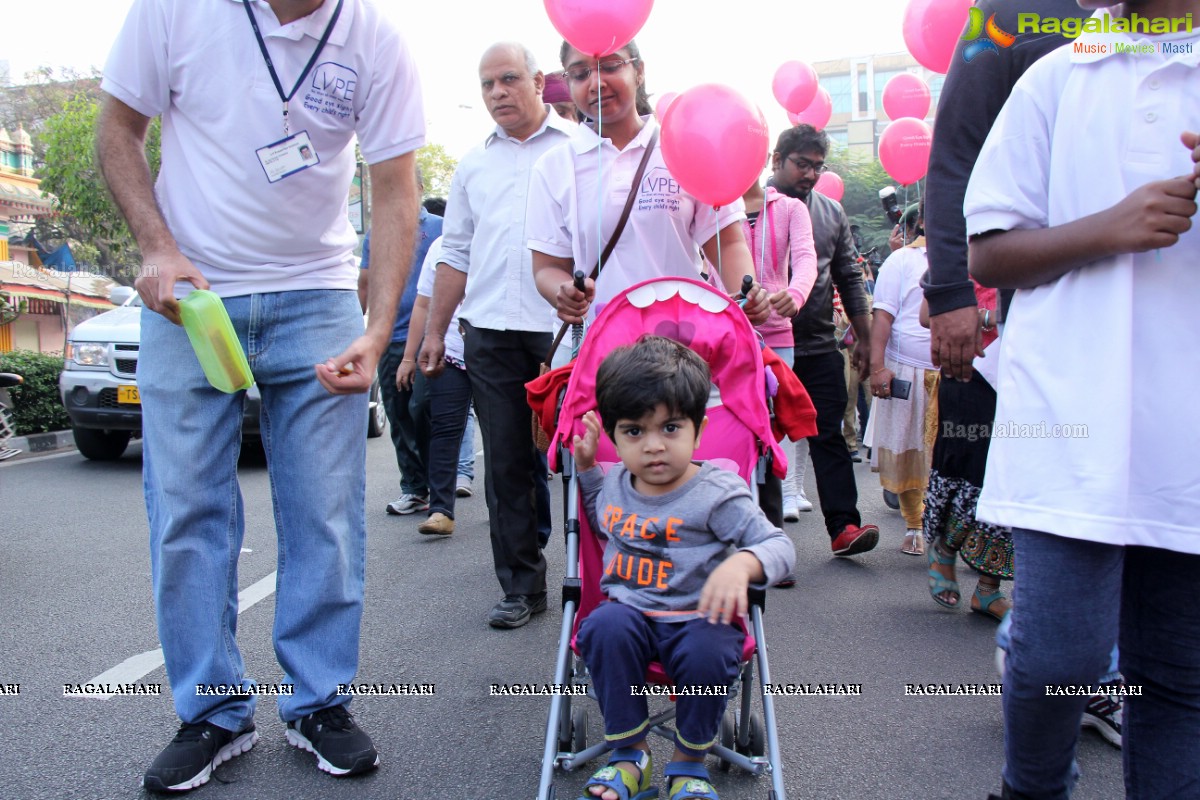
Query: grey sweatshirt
661	549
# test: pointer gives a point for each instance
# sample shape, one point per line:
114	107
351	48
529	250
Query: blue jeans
1073	599
408	422
316	456
449	404
466	450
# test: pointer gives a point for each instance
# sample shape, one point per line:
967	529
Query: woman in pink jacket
779	233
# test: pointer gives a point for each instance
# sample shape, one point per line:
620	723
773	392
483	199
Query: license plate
128	394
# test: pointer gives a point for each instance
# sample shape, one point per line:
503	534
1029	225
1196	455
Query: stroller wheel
728	738
579	723
757	745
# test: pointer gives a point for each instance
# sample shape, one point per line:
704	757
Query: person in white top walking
666	228
506	326
1083	199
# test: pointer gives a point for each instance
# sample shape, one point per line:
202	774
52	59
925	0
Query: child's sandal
622	781
695	787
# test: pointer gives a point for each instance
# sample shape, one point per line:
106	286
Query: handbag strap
616	235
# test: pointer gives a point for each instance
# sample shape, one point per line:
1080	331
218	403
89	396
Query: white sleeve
391	119
545	218
707	223
1009	187
458	226
137	71
889	285
429	268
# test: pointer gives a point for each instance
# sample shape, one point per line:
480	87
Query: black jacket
971	99
836	264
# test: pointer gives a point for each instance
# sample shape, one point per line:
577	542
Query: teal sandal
986	601
938	583
695	787
621	781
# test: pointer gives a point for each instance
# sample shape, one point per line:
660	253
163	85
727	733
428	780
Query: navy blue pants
618	643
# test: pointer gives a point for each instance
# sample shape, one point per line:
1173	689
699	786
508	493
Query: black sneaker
1103	713
197	749
341	747
515	610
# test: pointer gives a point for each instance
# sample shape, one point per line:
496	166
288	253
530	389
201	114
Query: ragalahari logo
976	27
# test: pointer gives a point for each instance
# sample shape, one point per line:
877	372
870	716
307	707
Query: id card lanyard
262	46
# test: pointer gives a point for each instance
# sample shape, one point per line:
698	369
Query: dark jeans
618	642
408	418
499	363
1072	599
824	377
449	401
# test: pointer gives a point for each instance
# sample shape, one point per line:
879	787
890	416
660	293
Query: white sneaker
791	508
463	487
408	504
802	503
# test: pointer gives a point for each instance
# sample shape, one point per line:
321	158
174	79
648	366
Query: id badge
287	156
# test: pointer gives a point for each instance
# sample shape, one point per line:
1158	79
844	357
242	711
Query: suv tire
377	414
99	445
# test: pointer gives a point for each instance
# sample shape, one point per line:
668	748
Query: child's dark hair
633	380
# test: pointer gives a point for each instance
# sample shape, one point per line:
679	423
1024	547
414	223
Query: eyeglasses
804	165
581	74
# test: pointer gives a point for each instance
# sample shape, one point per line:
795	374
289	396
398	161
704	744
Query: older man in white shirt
506	323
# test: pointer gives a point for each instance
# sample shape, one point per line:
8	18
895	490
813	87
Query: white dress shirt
484	230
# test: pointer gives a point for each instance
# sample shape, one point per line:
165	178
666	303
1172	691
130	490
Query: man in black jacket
798	161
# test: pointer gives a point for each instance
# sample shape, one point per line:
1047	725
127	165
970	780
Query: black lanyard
271	67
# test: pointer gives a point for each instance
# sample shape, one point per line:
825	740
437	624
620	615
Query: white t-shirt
666	226
898	292
198	65
454	340
1099	350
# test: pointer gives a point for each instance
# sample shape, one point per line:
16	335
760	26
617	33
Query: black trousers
499	363
824	376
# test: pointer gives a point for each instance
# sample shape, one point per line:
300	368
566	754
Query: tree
86	213
864	176
43	95
437	167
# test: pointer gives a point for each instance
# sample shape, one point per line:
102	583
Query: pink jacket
782	238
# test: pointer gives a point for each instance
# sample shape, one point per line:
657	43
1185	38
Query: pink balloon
714	142
664	102
931	30
794	85
906	95
598	27
818	112
830	184
904	150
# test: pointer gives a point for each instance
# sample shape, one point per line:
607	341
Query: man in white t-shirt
261	103
505	322
1083	199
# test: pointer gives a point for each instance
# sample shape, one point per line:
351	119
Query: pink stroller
738	438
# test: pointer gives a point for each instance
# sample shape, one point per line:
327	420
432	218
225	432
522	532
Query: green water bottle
216	345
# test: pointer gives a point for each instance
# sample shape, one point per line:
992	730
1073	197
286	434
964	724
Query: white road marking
133	669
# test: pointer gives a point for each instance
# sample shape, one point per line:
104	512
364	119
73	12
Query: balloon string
599	174
720	274
903	221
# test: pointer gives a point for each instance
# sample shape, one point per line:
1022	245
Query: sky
684	43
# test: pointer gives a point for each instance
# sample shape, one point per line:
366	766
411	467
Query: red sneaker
854	539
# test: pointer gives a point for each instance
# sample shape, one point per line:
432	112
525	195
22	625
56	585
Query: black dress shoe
515	610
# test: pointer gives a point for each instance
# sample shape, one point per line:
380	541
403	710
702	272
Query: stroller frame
746	739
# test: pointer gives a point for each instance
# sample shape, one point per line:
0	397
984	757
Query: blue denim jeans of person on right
408	422
1003	635
449	403
1072	599
316	455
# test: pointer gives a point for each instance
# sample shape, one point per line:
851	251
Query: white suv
99	385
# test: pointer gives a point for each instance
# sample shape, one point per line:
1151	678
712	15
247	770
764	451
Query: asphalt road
76	601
